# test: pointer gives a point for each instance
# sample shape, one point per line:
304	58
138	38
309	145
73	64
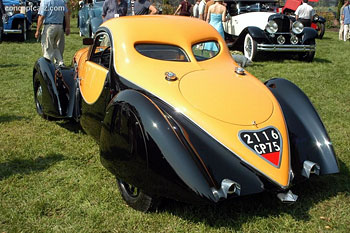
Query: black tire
136	198
321	29
38	98
23	27
250	47
307	56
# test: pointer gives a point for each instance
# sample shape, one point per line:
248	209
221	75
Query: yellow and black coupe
176	117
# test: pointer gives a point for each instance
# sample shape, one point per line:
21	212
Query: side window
205	50
101	52
162	52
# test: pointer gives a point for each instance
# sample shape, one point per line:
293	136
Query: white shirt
196	10
305	11
201	7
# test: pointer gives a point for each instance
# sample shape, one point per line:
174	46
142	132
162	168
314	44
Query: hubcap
248	46
131	190
39	97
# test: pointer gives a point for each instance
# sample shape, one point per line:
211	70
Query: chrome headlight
297	27
10	10
294	39
271	27
9	13
316	18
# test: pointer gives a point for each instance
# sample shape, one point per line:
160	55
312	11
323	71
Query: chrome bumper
286	48
12	31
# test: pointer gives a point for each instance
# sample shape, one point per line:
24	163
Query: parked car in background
35	9
89	17
19	17
318	22
255	27
175	116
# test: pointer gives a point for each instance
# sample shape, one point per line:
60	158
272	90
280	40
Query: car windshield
244	7
205	50
162	52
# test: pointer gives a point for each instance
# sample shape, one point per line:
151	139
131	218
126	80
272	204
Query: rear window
205	50
162	52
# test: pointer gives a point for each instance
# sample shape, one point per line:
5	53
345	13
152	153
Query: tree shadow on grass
9	118
28	166
236	212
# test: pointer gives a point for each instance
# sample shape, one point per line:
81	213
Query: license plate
265	143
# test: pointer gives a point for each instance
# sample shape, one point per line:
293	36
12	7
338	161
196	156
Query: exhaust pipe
287	197
227	187
310	168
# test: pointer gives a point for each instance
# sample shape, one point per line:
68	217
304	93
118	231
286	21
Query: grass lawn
51	179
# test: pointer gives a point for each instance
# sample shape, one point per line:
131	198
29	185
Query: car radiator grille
283	24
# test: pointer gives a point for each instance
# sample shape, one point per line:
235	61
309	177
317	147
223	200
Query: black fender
308	137
257	34
44	71
310	34
58	94
320	20
132	113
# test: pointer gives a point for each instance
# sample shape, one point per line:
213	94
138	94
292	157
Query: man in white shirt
201	9
305	13
195	10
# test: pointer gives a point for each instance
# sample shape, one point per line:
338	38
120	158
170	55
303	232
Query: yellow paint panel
92	80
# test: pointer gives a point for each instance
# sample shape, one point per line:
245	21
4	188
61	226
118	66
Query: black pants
306	22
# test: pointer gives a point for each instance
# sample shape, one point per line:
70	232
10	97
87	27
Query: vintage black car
255	26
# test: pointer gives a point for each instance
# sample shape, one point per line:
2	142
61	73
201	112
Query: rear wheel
136	198
38	98
250	49
320	30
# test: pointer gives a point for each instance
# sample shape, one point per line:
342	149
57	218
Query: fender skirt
308	137
156	128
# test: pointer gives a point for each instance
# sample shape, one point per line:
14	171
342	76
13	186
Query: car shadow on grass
238	211
17	38
9	118
287	57
71	126
28	166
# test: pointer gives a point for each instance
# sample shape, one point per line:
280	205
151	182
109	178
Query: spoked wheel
136	198
250	48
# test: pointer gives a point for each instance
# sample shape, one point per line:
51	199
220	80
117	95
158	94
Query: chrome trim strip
12	31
